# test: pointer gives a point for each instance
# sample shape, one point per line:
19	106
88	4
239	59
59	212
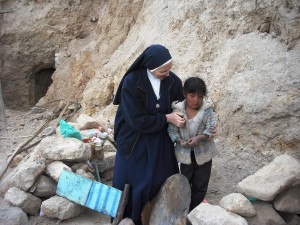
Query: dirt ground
228	167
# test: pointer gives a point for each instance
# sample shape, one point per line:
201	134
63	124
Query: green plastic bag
68	131
252	199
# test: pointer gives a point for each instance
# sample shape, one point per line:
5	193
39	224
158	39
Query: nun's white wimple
161	66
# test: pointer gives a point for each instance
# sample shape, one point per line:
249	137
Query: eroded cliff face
247	52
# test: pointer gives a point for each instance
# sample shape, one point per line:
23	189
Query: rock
265	27
108	146
238	204
99	152
107	174
171	205
44	187
289	218
295	220
55	168
288	201
75	125
206	214
285	172
23	176
49	131
61	208
83	166
12	216
37	109
126	221
59	148
27	202
83	173
87	122
16	160
90	175
265	214
107	163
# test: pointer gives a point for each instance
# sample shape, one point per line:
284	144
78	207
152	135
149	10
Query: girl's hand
194	141
183	143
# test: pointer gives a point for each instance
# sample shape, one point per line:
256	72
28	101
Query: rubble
238	204
285	172
261	198
24	200
269	196
37	174
61	208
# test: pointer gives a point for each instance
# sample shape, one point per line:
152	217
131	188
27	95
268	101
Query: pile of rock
31	185
273	198
270	196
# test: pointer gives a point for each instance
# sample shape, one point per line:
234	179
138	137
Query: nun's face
163	72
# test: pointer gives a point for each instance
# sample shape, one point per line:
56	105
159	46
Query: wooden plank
6	11
20	148
122	204
2	108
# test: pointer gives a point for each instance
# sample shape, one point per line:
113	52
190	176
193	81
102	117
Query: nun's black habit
145	154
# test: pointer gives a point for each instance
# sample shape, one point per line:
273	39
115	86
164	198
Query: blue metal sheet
74	187
104	199
92	194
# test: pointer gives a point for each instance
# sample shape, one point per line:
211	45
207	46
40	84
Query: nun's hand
176	118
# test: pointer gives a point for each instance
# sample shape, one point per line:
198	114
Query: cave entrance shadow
42	81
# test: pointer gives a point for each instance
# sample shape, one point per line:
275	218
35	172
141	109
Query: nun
145	153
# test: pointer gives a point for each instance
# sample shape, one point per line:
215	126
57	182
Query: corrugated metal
103	198
92	194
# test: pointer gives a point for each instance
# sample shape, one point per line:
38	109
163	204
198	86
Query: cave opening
42	81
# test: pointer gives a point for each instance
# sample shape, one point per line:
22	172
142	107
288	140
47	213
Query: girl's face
194	100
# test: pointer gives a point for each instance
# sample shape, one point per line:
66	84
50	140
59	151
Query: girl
194	148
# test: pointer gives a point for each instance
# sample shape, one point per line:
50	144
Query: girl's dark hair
194	85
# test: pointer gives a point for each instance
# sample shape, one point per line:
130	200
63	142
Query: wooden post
122	204
2	108
6	11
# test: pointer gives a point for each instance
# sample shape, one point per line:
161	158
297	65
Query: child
194	149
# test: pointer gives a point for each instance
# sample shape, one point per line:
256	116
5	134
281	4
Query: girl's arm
210	125
173	132
175	135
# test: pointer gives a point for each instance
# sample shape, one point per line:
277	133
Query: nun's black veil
153	57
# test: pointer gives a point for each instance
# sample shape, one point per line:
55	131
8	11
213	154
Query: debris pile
83	147
270	196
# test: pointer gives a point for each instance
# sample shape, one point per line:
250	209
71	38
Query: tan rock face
39	35
31	35
248	53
